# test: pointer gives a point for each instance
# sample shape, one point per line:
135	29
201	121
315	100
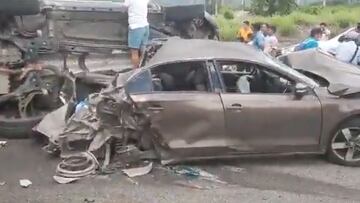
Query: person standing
259	38
311	42
138	34
271	41
348	50
325	32
245	32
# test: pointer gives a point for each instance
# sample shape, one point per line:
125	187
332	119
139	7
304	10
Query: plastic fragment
63	180
25	183
138	171
192	172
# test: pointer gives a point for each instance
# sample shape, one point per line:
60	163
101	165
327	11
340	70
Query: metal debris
106	120
139	171
63	180
191	185
25	183
53	123
107	156
75	167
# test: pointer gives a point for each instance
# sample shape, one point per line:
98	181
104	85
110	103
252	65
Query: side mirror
301	90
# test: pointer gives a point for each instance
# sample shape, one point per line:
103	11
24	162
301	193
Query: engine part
4	84
77	166
9	56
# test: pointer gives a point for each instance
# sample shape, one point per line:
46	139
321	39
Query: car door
184	119
262	122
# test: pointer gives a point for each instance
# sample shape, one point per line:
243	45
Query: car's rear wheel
344	144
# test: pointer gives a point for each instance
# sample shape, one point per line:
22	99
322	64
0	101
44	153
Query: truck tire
12	127
18	128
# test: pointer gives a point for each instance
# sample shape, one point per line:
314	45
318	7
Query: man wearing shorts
138	28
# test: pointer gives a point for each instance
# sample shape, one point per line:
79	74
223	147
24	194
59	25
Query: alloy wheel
346	144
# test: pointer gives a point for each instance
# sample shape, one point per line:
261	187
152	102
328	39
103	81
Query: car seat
196	79
167	82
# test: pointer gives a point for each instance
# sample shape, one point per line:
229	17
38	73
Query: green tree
271	7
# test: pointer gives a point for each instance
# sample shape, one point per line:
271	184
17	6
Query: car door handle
155	108
235	107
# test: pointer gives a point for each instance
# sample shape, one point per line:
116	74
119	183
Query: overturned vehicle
40	40
229	100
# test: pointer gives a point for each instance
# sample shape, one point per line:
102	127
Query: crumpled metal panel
108	114
324	65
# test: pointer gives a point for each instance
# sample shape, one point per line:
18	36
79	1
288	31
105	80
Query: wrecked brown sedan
199	99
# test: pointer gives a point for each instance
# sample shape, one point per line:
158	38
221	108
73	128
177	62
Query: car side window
183	76
247	78
140	83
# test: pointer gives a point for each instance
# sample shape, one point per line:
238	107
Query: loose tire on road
344	144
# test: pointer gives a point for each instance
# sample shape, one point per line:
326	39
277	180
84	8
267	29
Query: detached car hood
342	78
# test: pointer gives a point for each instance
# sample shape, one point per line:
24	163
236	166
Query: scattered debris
191	185
132	181
187	171
86	200
3	144
2	183
139	171
53	124
25	183
235	169
63	180
192	172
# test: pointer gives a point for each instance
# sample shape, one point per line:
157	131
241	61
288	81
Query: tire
15	128
18	128
344	144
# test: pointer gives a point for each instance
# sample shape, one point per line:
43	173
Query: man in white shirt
348	50
138	28
271	41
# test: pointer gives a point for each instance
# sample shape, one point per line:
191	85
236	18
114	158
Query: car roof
182	50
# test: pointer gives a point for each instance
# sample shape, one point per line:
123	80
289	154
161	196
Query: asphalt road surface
290	179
